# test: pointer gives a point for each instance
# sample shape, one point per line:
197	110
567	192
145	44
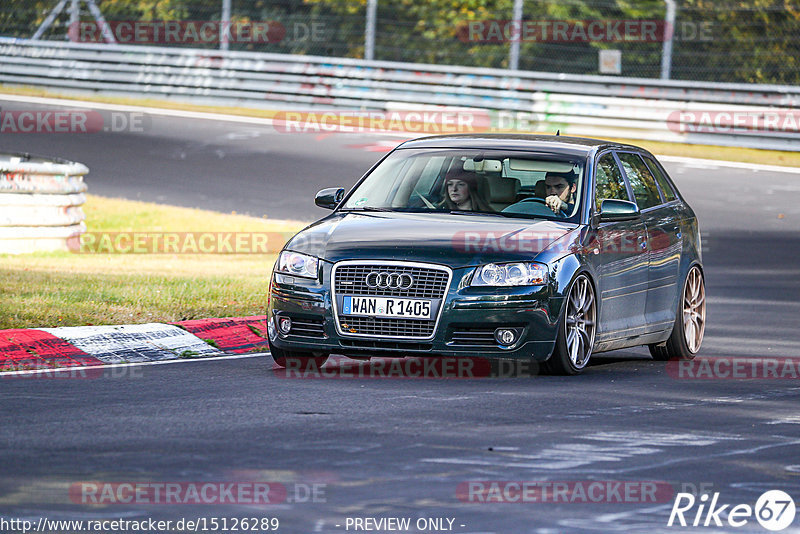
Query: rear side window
642	182
663	183
608	181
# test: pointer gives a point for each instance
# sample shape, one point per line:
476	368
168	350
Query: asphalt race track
378	448
208	164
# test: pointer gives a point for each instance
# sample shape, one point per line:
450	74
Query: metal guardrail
40	203
598	106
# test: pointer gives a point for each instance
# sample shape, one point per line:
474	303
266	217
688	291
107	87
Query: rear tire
576	330
298	360
690	322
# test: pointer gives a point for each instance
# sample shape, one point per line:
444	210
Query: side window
642	182
663	183
608	181
429	175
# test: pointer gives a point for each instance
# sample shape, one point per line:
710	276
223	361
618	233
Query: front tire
690	321
575	330
297	360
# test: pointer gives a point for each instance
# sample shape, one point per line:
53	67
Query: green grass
747	155
68	289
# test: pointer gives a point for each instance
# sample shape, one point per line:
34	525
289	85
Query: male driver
560	190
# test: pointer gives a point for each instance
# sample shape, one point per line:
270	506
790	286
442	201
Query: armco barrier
600	106
40	203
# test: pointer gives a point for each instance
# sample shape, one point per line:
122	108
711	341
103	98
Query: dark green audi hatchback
499	246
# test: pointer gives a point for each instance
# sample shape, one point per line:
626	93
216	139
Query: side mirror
329	198
618	210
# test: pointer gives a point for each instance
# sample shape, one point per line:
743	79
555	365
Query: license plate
387	307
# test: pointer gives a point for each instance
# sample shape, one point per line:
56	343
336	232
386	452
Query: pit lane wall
745	115
40	203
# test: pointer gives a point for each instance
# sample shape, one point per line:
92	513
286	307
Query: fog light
506	336
284	325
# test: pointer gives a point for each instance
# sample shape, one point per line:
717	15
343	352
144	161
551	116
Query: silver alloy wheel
580	322
694	310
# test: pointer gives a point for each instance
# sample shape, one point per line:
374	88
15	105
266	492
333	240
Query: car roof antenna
558	132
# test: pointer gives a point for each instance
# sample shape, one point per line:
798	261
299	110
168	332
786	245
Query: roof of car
550	143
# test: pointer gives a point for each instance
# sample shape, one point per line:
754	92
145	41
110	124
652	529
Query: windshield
507	183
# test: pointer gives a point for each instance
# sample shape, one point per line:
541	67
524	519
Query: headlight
297	264
510	274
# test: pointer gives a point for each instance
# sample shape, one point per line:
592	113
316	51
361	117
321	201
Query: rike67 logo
774	510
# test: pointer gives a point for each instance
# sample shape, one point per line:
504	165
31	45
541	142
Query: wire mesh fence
753	41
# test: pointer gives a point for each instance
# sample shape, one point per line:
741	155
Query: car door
664	241
618	258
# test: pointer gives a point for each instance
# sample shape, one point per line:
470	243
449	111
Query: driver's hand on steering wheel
555	203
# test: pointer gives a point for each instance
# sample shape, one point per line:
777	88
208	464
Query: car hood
457	240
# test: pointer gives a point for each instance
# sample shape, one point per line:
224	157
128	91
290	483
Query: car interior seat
503	192
540	190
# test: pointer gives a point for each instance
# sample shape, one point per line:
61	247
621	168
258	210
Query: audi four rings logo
384	280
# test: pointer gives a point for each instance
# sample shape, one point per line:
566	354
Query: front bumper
476	311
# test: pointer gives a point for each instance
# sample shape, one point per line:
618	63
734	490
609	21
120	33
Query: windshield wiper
366	208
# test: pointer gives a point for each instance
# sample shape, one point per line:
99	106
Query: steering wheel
533	199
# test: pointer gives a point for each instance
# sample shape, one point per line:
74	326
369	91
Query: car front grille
350	278
428	283
386	345
380	326
473	336
307	328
